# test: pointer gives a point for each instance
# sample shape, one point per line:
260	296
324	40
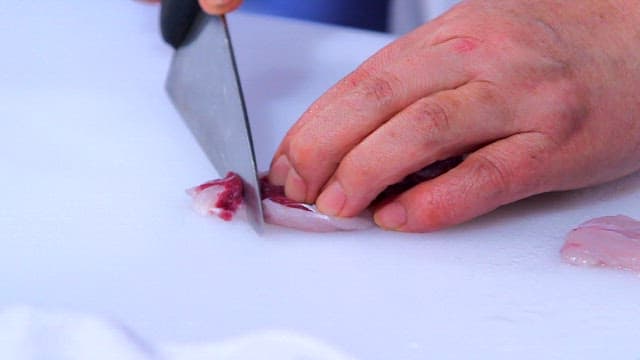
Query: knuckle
432	116
492	172
515	174
436	210
568	106
353	80
378	88
572	98
302	152
356	174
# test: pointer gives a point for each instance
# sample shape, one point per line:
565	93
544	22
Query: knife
204	86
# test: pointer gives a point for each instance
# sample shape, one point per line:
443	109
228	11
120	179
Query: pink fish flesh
609	241
220	197
223	197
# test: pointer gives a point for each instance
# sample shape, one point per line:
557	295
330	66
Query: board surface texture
94	217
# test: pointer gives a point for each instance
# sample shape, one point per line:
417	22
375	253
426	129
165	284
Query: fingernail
279	170
294	187
391	216
217	5
332	199
219	2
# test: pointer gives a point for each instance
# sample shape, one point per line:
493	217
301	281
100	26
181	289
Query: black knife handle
176	17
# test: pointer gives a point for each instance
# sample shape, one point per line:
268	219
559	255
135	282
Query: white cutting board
93	215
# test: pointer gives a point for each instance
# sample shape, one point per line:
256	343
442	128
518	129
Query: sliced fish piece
609	241
223	198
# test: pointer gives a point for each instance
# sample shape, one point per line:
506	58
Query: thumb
218	7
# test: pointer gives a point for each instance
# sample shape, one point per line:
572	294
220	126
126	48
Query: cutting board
94	216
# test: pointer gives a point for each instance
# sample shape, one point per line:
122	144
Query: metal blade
204	86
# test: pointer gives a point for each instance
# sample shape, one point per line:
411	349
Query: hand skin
213	7
218	7
542	94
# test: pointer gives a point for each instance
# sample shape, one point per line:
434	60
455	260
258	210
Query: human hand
213	7
541	94
217	7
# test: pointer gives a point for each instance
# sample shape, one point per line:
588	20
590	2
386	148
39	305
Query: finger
500	173
219	7
355	107
433	128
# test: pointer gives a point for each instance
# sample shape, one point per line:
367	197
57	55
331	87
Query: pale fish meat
609	241
223	198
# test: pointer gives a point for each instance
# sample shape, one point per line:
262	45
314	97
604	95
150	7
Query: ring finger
433	128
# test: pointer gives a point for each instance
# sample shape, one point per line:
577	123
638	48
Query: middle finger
436	127
356	106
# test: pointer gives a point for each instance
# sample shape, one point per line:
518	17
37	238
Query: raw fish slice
204	200
312	220
280	210
619	223
609	241
221	197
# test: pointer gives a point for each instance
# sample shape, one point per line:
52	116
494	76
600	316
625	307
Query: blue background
368	14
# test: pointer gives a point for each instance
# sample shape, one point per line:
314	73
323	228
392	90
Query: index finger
360	103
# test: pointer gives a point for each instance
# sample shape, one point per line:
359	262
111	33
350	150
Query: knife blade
204	86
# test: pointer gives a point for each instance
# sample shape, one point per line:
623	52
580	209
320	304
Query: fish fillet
609	241
223	197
